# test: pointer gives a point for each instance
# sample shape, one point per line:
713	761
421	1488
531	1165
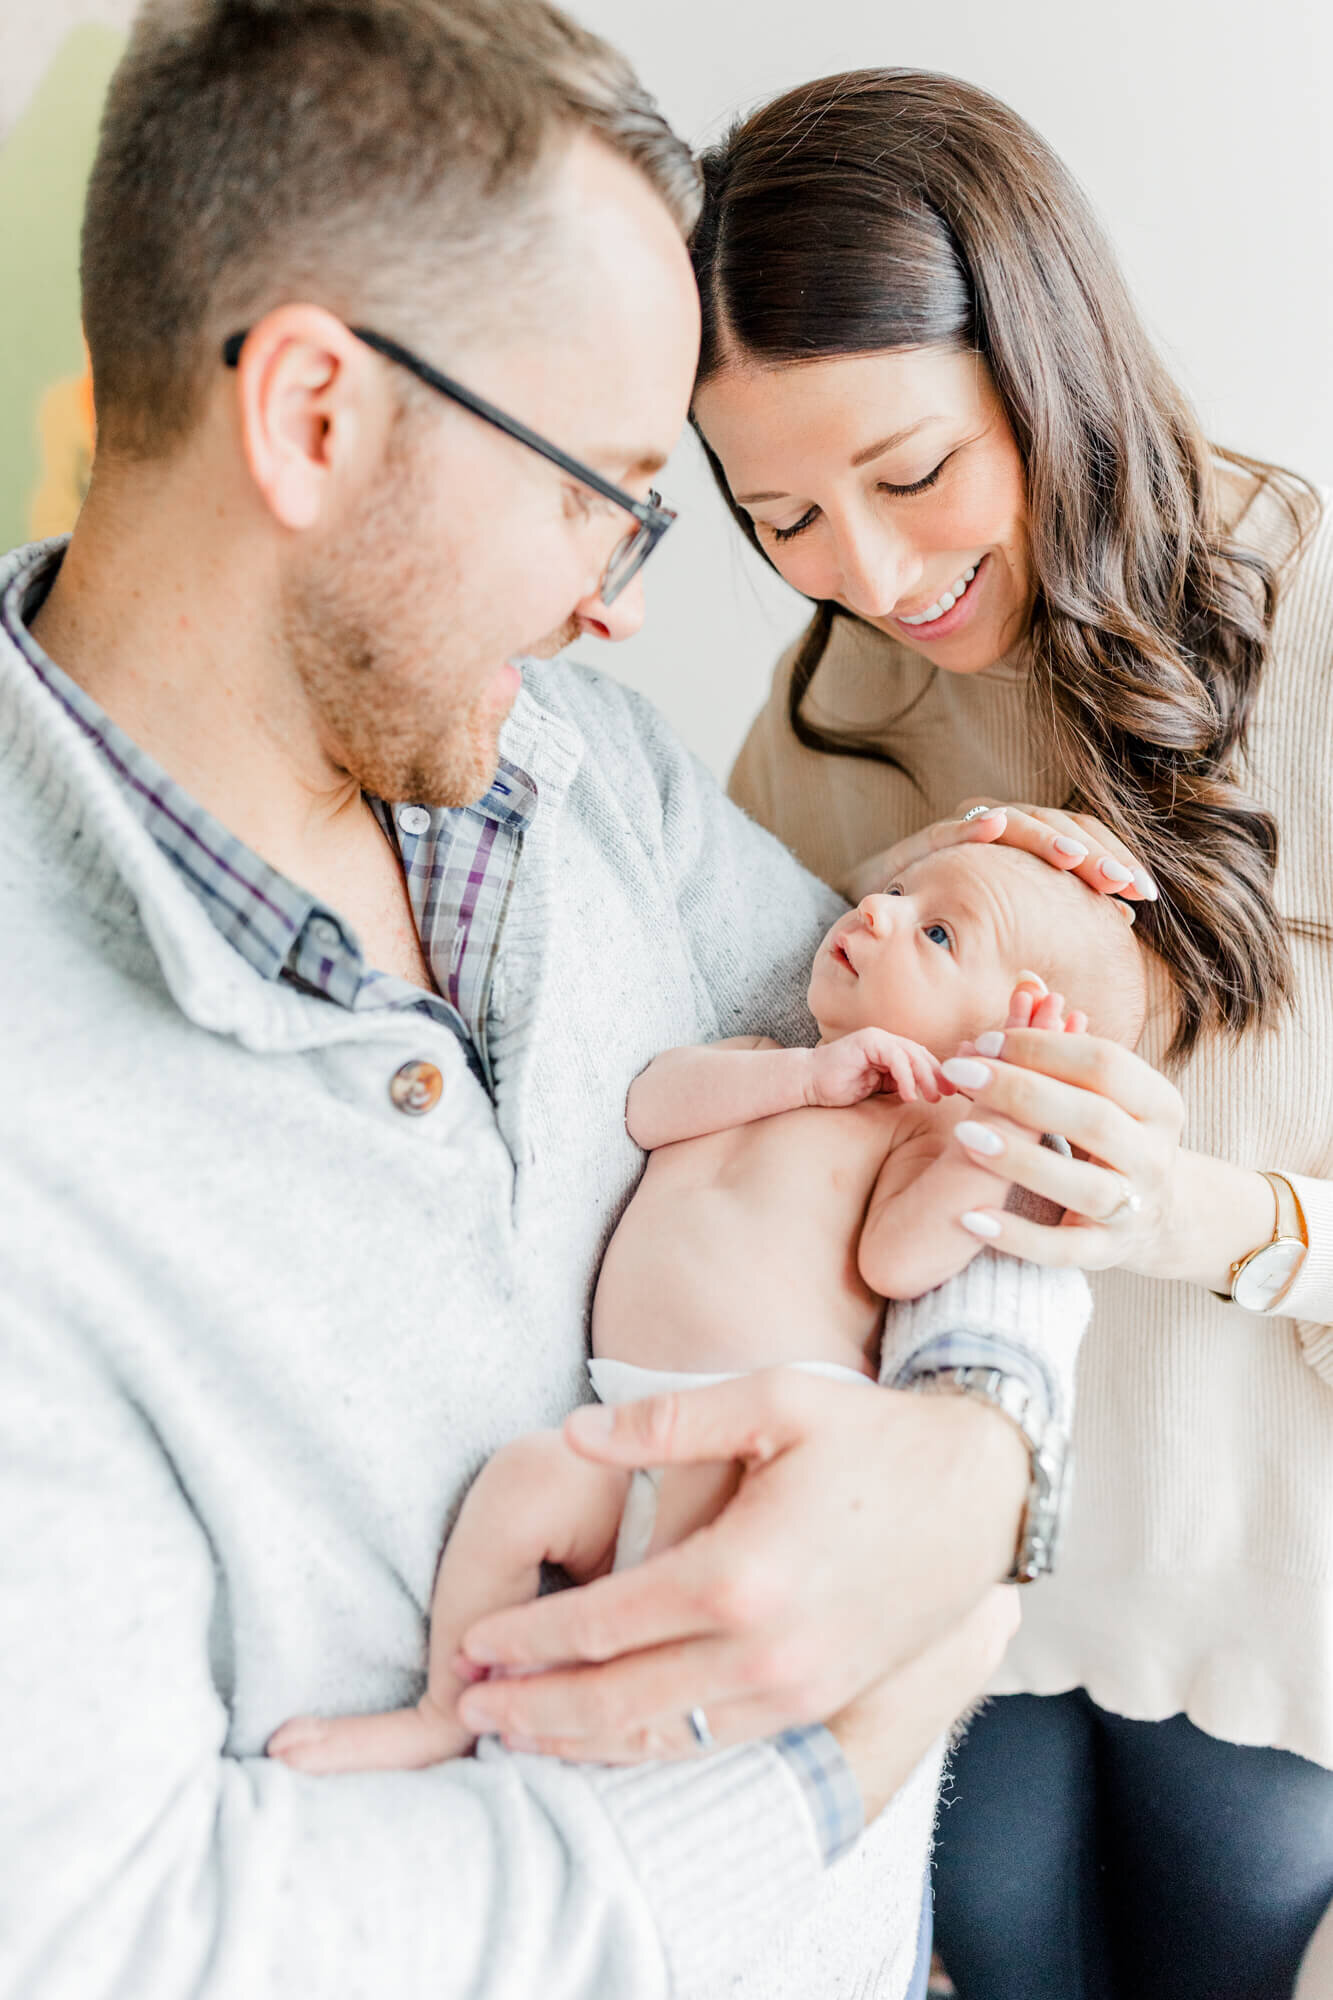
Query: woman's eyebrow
862	457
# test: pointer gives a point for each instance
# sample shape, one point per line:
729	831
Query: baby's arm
911	1239
689	1092
535	1501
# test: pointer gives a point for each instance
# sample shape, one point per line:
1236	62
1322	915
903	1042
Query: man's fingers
752	1418
658	1603
635	1708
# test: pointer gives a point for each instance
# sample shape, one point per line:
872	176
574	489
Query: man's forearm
689	1092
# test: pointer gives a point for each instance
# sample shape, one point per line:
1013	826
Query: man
332	955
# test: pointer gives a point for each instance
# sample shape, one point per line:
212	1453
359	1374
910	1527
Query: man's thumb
751	1417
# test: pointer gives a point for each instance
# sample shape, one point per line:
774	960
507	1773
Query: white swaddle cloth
624	1382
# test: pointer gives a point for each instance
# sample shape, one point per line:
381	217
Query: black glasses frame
650	517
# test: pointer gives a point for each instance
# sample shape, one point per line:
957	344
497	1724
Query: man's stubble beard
382	692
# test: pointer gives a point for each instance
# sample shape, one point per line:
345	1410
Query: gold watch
1262	1279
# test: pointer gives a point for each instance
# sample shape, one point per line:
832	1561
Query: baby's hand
857	1065
1031	1005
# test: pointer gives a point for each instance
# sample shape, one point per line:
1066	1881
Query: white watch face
1264	1277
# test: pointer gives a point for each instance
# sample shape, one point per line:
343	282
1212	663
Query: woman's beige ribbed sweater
1197	1570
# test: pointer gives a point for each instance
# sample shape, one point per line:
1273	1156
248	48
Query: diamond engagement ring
976	812
702	1734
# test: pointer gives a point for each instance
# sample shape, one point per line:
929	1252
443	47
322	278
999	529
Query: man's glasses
651	519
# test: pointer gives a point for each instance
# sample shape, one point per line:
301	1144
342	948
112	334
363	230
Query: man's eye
938	935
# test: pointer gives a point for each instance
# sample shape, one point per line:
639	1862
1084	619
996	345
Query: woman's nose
878	570
620	619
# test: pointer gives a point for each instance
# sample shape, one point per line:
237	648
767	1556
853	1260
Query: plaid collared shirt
460	865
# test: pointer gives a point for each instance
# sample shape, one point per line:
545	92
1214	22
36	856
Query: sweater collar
101	805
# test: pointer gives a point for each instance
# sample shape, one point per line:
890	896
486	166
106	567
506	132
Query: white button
413	819
325	931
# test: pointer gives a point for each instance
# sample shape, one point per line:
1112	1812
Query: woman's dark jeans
1084	1857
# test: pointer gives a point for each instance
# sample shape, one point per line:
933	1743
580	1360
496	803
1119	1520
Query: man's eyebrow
629	463
875	450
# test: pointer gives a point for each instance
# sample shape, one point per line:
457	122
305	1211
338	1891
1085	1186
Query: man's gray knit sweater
258	1331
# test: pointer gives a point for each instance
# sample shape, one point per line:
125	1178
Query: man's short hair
378	157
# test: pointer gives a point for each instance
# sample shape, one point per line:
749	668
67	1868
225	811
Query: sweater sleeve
1310	1300
998	1312
145	1851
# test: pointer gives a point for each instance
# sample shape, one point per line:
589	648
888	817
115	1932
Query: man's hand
886	1732
854	1066
865	1526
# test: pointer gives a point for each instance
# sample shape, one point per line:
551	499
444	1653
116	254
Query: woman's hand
1132	1196
1075	843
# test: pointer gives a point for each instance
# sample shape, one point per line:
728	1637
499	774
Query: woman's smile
950	610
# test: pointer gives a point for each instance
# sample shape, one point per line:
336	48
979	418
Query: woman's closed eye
898	492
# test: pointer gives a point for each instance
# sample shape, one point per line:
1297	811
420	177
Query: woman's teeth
945	603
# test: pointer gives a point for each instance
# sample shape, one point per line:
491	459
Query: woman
931	406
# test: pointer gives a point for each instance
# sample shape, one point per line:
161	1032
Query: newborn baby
788	1193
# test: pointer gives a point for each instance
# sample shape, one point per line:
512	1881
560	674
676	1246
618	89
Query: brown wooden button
416	1088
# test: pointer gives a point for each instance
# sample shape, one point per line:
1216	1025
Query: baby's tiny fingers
1049	1012
900	1068
1077	1024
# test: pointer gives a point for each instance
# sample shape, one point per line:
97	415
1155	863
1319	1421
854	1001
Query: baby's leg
535	1501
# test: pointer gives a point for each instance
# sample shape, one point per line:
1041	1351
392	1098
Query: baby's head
936	955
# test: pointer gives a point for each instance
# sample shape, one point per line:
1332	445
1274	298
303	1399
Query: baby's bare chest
811	1166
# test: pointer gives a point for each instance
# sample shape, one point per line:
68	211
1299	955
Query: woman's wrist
1219	1214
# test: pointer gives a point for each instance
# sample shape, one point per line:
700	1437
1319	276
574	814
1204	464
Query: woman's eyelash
785	534
900	492
920	485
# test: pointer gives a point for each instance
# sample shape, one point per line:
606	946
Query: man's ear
308	400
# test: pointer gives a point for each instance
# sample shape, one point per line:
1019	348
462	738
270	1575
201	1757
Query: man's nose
620	619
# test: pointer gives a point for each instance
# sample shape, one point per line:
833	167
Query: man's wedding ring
975	812
1129	1204
702	1734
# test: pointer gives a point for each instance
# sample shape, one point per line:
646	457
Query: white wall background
1202	132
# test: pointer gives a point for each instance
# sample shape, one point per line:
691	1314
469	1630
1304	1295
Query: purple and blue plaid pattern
831	1791
460	864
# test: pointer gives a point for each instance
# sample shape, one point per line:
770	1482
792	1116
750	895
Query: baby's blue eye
938	935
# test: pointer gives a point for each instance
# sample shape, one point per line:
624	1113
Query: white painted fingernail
978	1138
978	1223
992	1042
1145	885
1027	977
1114	872
1063	845
967	1074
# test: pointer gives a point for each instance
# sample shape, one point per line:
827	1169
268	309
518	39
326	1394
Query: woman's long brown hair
886	209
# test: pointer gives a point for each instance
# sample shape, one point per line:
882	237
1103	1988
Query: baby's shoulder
925	1128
